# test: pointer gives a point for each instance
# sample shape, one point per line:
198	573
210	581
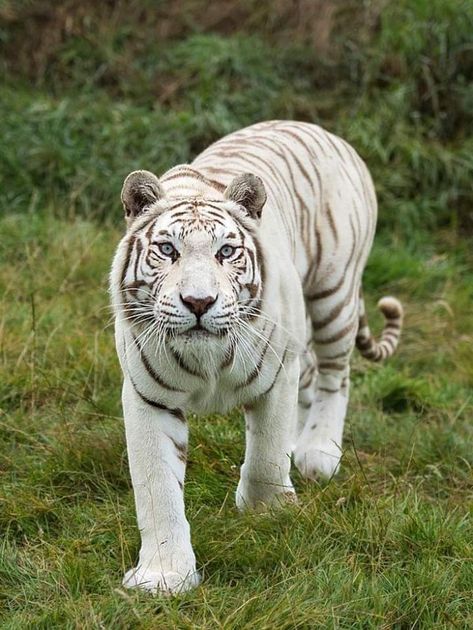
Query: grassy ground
388	544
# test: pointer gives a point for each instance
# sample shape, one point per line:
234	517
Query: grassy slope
387	544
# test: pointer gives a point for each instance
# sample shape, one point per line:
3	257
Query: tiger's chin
204	350
197	334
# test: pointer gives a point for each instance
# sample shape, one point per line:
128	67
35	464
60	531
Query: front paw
156	581
260	495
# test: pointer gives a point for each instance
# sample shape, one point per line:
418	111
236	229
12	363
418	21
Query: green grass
389	543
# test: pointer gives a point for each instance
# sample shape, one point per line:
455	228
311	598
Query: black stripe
339	355
305	215
258	249
317	324
337	336
260	261
250	158
304	405
218	215
331	365
309	132
254	373
138	251
190	172
177	413
331	222
181	449
328	292
181	213
177	357
214	219
151	371
298	139
126	264
276	174
364	343
276	375
327	390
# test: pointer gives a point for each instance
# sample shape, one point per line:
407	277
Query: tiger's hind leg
334	327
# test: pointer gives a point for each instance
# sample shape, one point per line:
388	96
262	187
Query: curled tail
367	344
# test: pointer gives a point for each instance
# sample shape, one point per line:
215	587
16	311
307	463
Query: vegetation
94	90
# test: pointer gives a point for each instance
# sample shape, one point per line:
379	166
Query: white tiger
237	289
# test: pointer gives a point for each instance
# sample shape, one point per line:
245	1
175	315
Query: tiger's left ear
248	191
140	189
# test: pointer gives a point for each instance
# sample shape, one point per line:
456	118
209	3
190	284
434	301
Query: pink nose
198	306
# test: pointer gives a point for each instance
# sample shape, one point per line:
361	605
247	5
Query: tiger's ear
248	191
140	189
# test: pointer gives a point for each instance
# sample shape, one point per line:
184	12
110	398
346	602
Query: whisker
263	315
250	329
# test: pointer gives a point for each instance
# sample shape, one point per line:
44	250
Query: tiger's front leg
156	444
264	479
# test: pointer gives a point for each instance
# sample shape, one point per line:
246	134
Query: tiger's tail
385	347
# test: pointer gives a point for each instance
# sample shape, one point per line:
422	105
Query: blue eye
168	249
226	251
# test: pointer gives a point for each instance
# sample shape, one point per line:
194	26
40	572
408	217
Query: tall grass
110	97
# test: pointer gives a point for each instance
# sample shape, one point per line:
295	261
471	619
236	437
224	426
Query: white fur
338	190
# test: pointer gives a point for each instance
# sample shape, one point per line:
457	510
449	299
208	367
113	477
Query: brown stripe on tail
367	344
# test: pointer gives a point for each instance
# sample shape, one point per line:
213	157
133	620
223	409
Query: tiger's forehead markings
199	214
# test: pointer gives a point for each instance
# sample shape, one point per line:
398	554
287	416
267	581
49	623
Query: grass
388	544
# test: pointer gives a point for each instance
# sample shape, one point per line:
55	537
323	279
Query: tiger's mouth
194	335
198	331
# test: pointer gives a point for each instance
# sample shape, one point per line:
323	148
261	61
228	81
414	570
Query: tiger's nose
198	306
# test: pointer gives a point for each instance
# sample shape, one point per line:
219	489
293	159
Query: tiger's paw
318	459
262	496
163	582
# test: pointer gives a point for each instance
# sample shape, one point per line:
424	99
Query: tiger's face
193	267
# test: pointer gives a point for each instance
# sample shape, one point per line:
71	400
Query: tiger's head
191	267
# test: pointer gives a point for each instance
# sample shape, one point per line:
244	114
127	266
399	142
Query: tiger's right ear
140	189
